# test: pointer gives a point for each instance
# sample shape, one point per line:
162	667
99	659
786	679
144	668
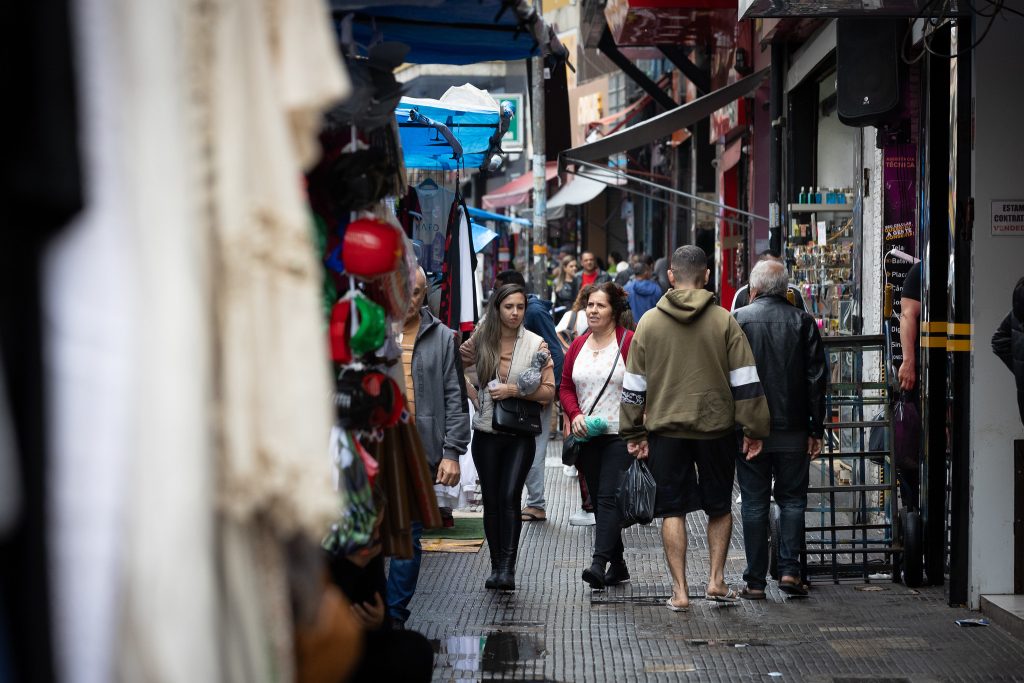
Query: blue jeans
790	470
535	478
403	576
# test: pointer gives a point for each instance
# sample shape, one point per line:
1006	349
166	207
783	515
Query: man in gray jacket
436	395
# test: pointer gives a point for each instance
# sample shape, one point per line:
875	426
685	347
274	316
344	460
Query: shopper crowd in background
702	419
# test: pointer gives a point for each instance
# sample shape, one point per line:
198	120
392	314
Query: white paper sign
1008	217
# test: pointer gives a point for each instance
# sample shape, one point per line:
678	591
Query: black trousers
603	461
502	463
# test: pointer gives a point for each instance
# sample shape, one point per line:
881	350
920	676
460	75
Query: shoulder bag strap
609	377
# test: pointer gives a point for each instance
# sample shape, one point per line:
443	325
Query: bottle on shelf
817	195
802	199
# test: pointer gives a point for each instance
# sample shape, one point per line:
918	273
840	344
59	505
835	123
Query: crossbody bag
571	446
519	416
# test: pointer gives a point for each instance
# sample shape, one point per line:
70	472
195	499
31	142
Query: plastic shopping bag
636	495
906	422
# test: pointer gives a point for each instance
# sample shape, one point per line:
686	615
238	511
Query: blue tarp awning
481	237
440	31
489	216
471	115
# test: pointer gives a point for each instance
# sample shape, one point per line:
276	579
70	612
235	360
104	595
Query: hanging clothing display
458	308
429	211
40	191
270	71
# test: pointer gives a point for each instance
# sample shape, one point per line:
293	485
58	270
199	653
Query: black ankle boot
594	576
492	581
506	580
617	573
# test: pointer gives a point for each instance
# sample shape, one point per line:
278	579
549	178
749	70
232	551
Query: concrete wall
998	173
871	207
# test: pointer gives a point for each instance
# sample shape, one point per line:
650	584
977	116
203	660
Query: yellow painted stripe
953	329
933	342
958	344
933	326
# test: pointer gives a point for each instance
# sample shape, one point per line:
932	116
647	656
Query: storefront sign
899	228
513	140
1008	217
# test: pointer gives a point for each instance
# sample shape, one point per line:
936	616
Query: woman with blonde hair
512	364
563	289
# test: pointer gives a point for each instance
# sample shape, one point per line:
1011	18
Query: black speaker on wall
868	69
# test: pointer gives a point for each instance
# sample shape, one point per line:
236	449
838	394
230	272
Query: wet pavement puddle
493	652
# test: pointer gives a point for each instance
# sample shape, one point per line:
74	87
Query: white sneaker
569	470
582	518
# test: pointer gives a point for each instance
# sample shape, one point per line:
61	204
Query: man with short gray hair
791	364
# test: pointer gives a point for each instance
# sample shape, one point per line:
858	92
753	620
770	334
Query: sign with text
899	228
1008	217
513	139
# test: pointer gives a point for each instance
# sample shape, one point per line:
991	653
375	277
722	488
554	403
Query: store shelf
820	208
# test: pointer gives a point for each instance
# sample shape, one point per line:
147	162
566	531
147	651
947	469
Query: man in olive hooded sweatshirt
691	380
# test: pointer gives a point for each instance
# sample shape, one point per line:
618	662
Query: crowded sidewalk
555	628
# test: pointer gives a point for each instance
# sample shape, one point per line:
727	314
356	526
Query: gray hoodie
442	415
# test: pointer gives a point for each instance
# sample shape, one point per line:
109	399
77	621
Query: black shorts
693	474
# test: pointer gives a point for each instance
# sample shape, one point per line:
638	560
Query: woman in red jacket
598	355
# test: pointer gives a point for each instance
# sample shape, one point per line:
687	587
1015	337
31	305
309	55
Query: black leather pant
603	462
502	463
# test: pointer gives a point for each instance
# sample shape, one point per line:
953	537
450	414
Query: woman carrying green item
590	391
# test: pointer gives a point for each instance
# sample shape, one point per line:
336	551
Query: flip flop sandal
533	515
730	598
793	589
748	594
675	608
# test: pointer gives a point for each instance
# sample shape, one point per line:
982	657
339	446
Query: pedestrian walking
564	287
591	273
791	364
1008	342
681	409
436	400
590	389
643	292
539	321
502	349
742	296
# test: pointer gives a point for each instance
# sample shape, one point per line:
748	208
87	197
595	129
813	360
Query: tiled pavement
554	628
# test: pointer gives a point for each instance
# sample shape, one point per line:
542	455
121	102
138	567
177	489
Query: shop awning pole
538	273
775	202
656	186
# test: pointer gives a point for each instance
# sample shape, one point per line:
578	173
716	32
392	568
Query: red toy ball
371	248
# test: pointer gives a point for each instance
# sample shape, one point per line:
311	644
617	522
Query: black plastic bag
906	422
636	495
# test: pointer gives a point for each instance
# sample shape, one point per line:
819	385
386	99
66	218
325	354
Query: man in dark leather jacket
791	364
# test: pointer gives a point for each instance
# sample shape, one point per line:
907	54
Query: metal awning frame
665	124
587	166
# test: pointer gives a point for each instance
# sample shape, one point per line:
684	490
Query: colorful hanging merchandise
354	529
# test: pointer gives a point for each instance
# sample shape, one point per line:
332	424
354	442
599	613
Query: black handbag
517	416
571	446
